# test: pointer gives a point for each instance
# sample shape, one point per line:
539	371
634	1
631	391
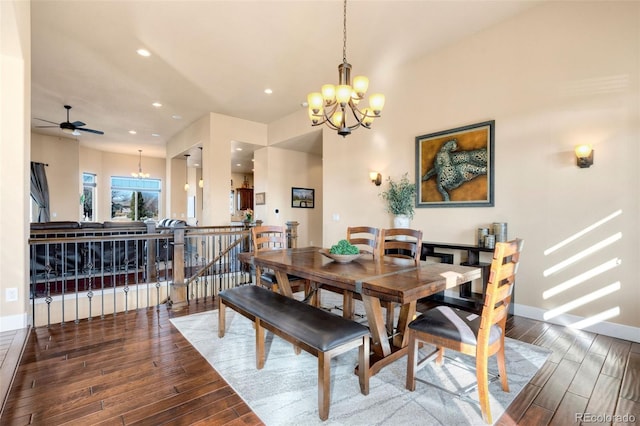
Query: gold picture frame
454	168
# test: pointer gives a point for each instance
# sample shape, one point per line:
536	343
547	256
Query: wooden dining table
388	279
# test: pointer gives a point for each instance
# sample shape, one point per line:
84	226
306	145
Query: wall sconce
375	178
584	156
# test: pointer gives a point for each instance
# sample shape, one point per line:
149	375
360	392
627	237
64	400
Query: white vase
401	221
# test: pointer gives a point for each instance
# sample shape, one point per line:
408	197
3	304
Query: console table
466	299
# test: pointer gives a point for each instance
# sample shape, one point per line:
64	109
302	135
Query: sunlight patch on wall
581	278
594	319
588	272
582	232
587	298
578	256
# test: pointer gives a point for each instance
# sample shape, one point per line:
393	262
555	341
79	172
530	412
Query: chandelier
139	173
333	104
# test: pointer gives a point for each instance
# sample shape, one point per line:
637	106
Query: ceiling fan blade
47	121
98	132
44	127
78	123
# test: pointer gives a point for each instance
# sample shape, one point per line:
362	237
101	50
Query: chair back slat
367	238
401	242
500	286
268	237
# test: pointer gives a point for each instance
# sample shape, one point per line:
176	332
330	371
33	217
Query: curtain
40	190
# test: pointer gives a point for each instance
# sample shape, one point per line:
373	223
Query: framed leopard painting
454	168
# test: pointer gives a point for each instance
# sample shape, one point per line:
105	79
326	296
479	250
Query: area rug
285	391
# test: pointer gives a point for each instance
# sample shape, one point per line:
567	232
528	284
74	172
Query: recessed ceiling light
155	135
238	149
238	164
133	132
143	52
176	117
157	104
268	91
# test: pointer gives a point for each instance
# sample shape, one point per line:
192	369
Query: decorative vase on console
248	217
400	198
401	221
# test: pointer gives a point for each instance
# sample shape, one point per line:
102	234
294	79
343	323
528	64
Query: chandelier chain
344	34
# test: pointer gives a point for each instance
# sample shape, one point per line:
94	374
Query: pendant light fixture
332	105
201	181
186	171
139	174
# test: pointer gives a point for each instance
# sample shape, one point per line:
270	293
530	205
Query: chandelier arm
326	117
358	119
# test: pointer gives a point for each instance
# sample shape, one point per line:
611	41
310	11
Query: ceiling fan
71	128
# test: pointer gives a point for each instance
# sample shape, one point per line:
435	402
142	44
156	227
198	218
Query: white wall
15	113
67	161
562	74
276	172
214	132
63	176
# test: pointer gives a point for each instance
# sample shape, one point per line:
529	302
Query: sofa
78	257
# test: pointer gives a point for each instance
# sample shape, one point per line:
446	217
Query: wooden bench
316	331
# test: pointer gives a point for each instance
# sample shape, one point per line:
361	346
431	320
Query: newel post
178	288
292	234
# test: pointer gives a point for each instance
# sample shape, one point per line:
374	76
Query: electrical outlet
11	294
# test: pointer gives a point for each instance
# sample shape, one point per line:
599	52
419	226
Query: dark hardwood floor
136	368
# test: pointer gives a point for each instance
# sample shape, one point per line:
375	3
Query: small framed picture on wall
302	198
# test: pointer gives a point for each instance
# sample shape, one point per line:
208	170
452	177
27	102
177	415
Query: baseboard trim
619	331
13	322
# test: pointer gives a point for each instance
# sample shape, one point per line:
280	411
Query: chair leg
502	368
483	387
347	305
412	361
440	357
221	318
363	365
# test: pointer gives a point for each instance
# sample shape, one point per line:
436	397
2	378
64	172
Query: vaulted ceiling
220	56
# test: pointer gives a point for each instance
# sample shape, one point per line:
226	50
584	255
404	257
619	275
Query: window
134	198
88	198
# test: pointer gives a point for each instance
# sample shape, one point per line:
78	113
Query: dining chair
479	336
367	239
403	243
273	237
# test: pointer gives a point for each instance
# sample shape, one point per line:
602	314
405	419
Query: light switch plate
11	294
